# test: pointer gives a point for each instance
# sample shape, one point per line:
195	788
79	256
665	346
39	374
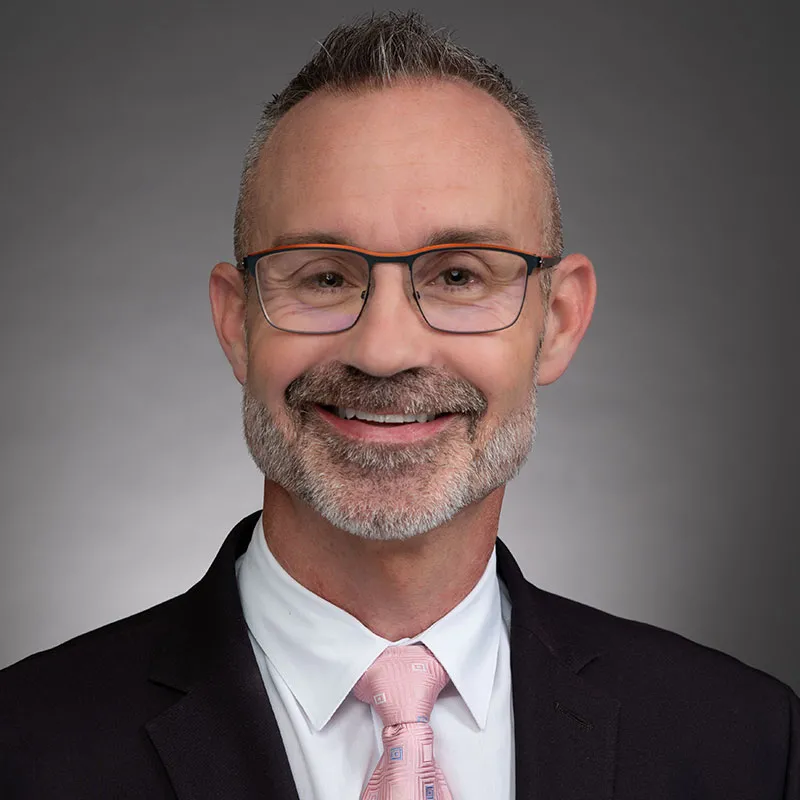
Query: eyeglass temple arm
543	262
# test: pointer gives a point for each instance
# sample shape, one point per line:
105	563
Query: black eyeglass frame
533	261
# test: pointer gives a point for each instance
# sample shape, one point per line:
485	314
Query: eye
456	277
329	280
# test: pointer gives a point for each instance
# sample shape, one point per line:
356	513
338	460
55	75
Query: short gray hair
378	51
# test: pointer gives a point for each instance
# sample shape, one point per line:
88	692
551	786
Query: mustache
419	390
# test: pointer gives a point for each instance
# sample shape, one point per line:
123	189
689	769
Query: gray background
662	485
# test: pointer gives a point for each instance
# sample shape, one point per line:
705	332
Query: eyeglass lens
459	291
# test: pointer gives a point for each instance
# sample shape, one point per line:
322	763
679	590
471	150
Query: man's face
390	171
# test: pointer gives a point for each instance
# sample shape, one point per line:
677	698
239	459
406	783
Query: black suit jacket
170	703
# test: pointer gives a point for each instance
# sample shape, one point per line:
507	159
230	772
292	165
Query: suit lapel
564	731
215	744
220	739
564	728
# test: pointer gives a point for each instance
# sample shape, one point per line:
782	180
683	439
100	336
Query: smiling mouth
381	419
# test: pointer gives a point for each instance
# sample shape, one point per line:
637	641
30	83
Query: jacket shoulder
668	683
72	717
643	656
90	678
119	645
701	706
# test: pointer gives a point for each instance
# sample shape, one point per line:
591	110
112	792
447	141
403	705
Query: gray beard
379	491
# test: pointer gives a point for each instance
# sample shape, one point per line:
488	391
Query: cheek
500	365
277	358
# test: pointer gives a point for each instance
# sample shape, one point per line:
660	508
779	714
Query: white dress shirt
311	653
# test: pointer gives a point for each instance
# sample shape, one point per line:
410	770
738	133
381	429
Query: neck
397	589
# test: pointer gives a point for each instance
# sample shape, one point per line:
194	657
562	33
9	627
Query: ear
229	310
570	307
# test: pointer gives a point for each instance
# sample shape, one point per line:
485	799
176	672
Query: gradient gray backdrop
662	485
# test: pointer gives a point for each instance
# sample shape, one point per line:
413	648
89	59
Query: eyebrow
483	235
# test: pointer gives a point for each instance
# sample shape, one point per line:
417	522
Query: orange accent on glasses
247	263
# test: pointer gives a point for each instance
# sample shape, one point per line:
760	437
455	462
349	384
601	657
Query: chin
396	523
393	507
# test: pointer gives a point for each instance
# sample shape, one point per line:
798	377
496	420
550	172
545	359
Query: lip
400	433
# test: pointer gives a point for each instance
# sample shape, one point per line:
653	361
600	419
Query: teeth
350	413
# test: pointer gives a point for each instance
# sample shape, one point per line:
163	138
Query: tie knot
402	684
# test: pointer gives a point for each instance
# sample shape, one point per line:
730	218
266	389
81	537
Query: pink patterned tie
402	685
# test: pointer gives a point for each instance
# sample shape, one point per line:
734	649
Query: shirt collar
320	650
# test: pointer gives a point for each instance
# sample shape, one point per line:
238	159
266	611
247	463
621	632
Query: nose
390	336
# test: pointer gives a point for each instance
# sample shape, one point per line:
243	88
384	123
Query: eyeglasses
472	288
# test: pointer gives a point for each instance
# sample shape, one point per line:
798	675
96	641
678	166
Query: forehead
384	168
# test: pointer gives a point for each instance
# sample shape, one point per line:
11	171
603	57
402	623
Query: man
398	296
